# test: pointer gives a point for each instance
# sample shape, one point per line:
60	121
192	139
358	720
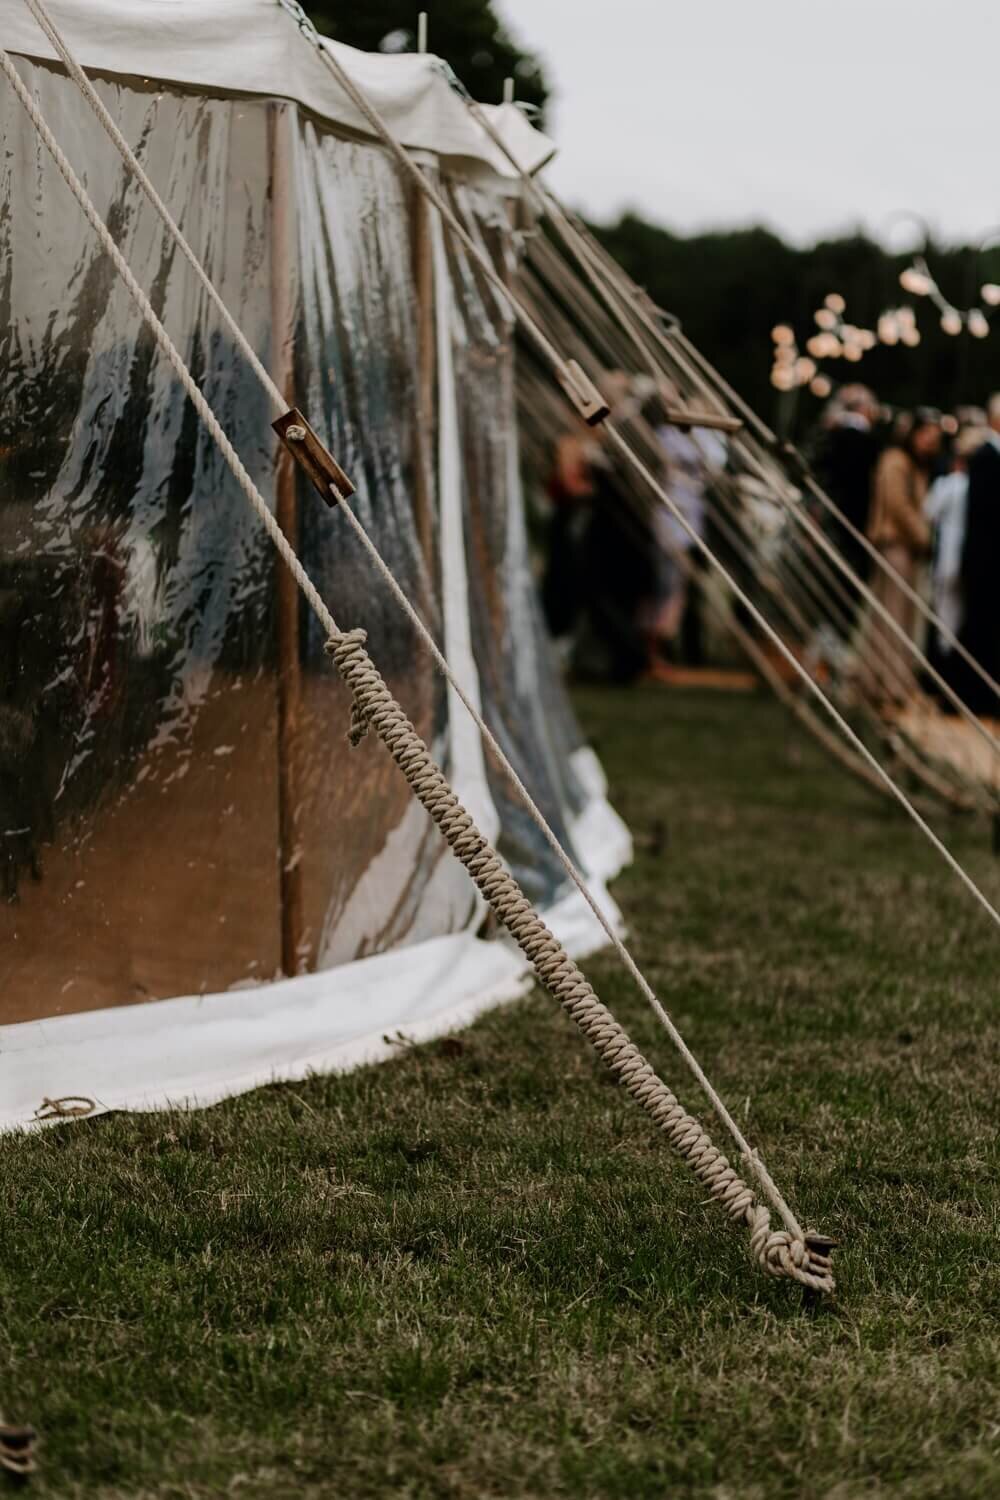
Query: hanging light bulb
817	345
888	328
910	336
978	323
825	318
867	339
951	322
990	294
805	369
782	378
820	386
835	302
782	334
915	281
906	317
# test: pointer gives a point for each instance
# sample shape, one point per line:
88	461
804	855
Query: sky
811	116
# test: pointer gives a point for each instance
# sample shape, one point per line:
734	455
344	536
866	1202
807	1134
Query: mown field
476	1272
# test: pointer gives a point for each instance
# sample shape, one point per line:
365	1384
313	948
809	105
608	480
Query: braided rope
779	1252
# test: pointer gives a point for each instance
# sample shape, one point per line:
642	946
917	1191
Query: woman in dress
899	528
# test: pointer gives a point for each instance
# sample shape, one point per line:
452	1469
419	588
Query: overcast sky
808	115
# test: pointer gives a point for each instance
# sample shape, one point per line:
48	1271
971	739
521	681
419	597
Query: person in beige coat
898	527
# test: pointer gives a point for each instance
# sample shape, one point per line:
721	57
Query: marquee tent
205	888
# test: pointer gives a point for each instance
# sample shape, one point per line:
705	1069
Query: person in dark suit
847	466
980	633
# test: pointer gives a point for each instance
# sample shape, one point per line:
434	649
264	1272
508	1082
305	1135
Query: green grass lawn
476	1271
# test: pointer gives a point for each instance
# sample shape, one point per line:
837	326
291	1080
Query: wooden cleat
312	456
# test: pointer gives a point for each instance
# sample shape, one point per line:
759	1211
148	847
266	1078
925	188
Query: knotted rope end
340	648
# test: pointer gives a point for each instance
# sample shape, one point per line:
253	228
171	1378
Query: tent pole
293	958
425	415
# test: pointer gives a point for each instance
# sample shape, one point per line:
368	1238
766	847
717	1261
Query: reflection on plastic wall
138	741
357	364
139	729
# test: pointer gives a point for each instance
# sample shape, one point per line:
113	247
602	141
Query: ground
476	1272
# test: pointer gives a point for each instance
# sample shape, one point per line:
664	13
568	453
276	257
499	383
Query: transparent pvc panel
139	731
524	700
358	362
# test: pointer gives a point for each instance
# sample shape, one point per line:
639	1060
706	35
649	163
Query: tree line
728	287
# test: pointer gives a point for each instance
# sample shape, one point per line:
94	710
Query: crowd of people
925	491
623	585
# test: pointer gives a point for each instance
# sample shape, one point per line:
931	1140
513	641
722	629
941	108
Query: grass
475	1272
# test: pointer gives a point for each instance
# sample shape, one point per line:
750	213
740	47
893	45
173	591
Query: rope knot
359	725
780	1253
345	648
345	643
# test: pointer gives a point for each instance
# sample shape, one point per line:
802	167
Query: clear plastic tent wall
148	755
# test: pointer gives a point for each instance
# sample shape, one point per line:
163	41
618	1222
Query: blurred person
689	456
570	488
946	510
847	464
618	552
980	572
898	527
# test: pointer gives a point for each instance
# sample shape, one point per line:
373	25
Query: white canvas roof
256	47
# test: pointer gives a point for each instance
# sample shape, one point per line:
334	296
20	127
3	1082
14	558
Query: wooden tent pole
424	418
283	313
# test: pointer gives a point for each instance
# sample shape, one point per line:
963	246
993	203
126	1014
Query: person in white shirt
691	457
945	508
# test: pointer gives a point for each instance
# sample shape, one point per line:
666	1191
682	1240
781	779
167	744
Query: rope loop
69	1107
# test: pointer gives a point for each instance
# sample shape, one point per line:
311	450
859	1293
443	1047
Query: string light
837	339
978	324
888	328
917	281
